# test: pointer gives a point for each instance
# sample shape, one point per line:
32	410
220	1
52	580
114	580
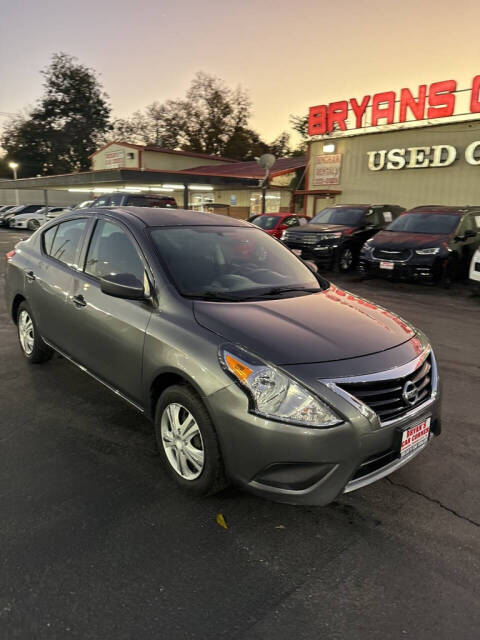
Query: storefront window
272	203
200	201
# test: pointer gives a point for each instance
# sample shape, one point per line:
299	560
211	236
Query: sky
289	55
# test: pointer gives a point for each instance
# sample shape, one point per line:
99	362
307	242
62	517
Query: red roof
248	169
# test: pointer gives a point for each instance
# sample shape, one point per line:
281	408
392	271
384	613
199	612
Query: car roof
160	217
439	210
279	213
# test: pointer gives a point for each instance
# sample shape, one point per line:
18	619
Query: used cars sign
438	155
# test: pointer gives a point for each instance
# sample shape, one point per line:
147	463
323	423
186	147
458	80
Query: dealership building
197	181
406	148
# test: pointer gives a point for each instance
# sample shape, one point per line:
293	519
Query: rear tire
188	443
33	347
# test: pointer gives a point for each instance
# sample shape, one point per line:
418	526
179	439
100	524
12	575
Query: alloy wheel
26	332
182	441
346	259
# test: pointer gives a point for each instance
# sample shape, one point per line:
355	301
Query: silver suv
253	368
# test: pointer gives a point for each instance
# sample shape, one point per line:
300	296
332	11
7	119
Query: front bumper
18	224
420	268
303	465
322	254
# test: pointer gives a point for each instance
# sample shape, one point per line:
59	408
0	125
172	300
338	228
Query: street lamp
14	166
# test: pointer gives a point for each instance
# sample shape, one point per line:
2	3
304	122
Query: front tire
33	225
188	443
33	347
345	260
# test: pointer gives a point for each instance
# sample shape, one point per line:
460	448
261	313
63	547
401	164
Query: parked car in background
253	370
474	272
83	205
135	200
432	245
335	236
35	219
6	207
276	223
53	212
6	216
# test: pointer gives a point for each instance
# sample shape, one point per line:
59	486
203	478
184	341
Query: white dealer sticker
415	437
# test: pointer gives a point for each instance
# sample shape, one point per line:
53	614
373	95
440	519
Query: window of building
272	202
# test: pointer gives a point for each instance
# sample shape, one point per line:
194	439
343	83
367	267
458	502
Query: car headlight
284	235
273	393
330	236
427	252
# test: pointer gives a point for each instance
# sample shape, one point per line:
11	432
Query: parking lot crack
434	501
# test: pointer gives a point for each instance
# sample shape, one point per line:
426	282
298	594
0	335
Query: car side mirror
122	286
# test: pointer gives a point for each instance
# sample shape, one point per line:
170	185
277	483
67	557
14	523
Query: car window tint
66	241
116	200
48	238
112	252
102	201
291	222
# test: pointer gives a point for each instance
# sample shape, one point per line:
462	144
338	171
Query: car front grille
306	239
386	397
387	254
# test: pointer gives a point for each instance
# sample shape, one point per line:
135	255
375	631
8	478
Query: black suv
135	200
434	244
334	237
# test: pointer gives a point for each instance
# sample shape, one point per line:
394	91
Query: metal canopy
117	178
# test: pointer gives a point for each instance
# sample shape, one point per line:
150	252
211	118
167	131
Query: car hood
405	240
322	228
322	327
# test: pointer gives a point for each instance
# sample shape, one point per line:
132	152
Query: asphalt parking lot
97	543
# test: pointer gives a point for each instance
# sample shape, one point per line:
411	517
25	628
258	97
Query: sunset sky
289	55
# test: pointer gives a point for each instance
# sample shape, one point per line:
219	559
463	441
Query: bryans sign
438	155
440	100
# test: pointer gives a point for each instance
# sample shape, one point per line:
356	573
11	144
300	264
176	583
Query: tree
280	147
211	118
66	126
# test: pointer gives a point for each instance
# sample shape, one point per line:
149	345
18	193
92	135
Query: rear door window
63	241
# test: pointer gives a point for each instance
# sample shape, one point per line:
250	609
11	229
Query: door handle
29	276
79	301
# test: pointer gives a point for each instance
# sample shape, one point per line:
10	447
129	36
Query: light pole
14	167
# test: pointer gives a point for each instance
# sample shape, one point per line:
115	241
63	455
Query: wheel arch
17	301
163	379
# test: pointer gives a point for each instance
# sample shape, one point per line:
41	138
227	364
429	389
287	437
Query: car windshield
425	223
345	215
231	263
266	222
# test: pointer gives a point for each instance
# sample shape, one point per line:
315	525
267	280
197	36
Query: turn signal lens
9	255
239	369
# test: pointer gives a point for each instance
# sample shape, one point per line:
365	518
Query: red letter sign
474	100
379	112
441	99
359	110
408	101
317	120
337	113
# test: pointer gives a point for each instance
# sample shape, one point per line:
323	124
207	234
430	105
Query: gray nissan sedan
254	369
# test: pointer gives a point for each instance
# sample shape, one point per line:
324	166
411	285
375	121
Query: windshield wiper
214	295
275	290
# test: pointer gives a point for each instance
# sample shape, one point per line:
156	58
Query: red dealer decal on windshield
439	100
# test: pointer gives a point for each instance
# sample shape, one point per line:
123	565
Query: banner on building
326	169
